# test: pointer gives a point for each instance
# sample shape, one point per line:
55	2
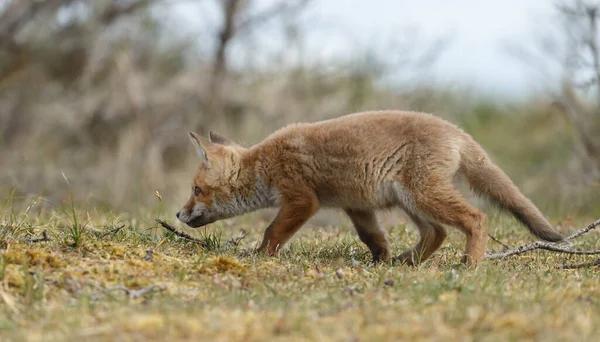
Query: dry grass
109	286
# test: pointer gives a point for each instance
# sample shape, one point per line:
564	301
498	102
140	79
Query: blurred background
105	92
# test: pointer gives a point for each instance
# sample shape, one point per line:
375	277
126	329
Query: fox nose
177	214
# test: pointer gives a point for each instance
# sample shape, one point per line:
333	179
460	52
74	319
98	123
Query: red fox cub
359	162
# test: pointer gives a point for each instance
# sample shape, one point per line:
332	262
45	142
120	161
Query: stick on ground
498	241
236	239
583	231
44	238
180	233
113	231
540	245
549	246
132	294
582	265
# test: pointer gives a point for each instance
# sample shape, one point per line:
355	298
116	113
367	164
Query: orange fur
360	163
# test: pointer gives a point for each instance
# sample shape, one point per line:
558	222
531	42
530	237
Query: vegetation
119	93
96	98
130	279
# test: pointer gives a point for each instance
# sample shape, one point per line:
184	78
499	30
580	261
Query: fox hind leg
446	205
432	235
370	232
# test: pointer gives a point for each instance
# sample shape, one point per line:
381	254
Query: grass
128	279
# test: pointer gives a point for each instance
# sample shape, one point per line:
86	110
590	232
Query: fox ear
198	141
217	138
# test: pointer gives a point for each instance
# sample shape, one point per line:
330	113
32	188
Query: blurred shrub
104	93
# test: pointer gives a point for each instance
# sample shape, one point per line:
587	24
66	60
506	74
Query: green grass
321	287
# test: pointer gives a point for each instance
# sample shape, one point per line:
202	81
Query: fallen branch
583	231
132	294
548	246
582	265
44	238
236	239
498	241
540	245
179	233
113	231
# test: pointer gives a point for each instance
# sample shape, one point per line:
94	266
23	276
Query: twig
236	239
539	245
132	294
498	241
179	233
549	246
583	231
116	11
44	238
113	231
582	265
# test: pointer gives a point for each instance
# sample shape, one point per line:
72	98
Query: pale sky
478	29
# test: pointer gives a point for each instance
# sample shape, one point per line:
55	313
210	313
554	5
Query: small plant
76	229
212	241
25	214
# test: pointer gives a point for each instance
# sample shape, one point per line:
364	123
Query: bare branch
19	13
180	233
219	69
44	238
132	294
498	241
115	11
574	112
236	239
540	245
591	42
232	25
583	230
576	51
270	13
585	85
113	231
548	246
582	265
576	10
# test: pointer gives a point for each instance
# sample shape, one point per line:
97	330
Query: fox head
216	187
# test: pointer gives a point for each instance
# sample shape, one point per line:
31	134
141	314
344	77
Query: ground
103	277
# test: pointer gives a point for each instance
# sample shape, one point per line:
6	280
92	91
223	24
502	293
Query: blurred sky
479	29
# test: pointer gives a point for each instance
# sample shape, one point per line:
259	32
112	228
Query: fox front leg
292	215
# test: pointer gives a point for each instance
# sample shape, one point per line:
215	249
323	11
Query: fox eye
197	191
